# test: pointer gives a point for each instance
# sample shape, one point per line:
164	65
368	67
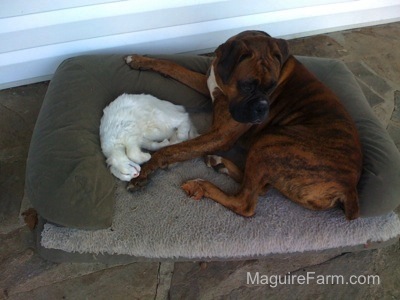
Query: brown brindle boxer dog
299	137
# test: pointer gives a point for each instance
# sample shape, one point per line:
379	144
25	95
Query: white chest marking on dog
212	83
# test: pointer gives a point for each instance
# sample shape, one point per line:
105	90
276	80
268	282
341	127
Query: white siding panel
26	7
190	26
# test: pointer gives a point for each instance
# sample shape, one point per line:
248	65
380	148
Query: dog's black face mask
252	106
248	77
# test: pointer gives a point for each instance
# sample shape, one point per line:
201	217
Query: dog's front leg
194	80
200	146
223	134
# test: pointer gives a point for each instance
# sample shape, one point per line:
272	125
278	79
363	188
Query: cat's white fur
133	123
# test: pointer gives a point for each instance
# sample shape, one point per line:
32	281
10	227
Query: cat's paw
125	170
164	143
140	158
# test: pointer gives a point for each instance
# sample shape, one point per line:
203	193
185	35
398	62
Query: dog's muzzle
252	111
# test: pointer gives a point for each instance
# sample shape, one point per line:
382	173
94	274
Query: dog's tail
350	204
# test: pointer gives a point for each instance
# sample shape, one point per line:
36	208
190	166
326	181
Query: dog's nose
259	109
253	111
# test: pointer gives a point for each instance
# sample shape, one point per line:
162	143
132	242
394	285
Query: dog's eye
271	86
248	86
278	57
243	57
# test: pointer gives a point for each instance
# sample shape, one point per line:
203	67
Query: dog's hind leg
253	184
243	203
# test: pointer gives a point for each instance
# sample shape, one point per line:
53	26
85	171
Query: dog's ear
284	49
230	54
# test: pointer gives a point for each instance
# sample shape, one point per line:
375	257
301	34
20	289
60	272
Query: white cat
132	123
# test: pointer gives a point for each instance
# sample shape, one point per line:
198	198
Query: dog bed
85	211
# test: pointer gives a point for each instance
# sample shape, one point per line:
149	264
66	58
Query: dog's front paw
137	62
193	189
128	59
137	183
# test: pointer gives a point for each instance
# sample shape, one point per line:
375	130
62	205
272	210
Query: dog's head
247	70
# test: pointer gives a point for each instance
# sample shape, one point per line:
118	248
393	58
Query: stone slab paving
237	280
372	55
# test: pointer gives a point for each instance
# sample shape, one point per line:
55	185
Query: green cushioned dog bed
67	179
68	182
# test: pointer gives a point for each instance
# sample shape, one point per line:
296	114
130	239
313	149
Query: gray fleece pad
160	221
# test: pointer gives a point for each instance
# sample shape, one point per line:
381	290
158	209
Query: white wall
36	36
